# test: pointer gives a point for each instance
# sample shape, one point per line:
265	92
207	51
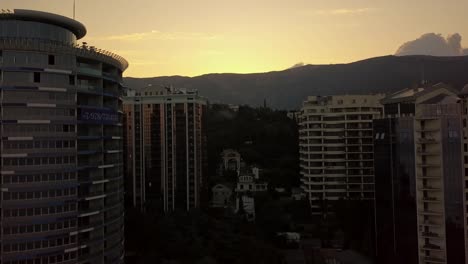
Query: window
37	77
51	60
71	79
453	134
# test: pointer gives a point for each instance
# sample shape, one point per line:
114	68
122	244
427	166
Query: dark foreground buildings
419	187
165	148
61	144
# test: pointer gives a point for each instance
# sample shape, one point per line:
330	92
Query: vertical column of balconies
465	169
137	146
90	158
430	191
311	149
170	163
113	172
322	147
359	147
334	160
100	161
195	148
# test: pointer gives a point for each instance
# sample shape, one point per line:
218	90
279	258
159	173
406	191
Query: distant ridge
288	88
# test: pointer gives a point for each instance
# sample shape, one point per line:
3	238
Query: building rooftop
347	100
159	90
410	95
464	91
228	185
38	16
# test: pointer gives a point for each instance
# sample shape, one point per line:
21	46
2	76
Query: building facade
248	183
395	191
231	161
464	109
61	144
336	148
165	148
221	195
419	184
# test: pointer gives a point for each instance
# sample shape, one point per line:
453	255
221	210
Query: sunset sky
176	37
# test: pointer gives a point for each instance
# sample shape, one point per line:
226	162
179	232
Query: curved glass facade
61	152
37	30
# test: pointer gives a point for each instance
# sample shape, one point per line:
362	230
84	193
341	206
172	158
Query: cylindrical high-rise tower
61	146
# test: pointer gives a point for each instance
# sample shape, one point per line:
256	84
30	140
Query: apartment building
336	148
61	150
419	178
165	148
464	104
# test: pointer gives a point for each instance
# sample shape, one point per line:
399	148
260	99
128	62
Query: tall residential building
165	148
61	144
336	148
464	103
419	178
395	192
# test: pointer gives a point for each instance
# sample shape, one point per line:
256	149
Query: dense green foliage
195	237
264	137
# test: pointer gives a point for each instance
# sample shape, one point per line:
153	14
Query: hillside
287	89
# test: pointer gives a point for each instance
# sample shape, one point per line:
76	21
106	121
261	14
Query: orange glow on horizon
161	38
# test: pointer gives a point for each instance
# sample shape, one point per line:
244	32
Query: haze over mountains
287	89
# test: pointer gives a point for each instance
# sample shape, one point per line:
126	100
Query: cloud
297	65
434	45
158	35
344	11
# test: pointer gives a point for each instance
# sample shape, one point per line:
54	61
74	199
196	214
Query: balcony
430	213
332	129
432	247
427	129
433	260
112	76
428	165
427	140
89	148
430	200
88	69
428	177
426	152
430	188
88	88
112	91
431	234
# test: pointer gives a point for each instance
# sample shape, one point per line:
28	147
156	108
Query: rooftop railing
44	45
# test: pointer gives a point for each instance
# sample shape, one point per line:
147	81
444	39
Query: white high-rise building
336	148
